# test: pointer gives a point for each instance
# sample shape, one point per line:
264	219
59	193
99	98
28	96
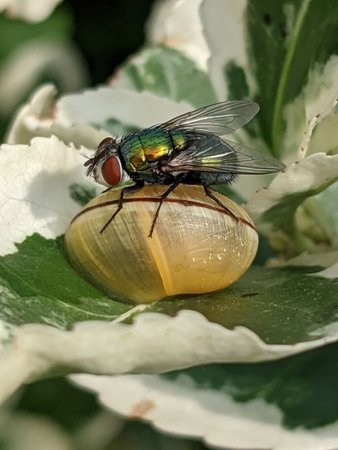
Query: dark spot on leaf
250	294
267	20
236	81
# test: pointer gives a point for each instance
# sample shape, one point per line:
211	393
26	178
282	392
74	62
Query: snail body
196	247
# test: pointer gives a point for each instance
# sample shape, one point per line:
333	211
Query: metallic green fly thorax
143	148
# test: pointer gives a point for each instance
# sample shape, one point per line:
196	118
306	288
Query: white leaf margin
76	118
154	343
330	273
201	29
300	177
325	259
34	190
140	109
177	24
311	118
304	178
40	117
223	24
29	10
25	65
212	415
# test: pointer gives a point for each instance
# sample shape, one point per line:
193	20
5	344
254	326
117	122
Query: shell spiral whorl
196	246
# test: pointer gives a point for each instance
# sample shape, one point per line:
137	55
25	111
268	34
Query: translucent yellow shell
196	246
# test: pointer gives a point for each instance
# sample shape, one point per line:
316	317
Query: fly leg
211	195
118	209
139	184
163	196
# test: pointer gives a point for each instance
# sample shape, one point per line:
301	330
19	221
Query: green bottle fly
188	149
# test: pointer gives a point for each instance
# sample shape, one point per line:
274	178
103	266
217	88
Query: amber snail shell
196	246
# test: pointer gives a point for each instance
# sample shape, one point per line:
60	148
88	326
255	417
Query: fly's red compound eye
112	171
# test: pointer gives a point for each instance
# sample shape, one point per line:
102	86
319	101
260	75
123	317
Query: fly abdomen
211	178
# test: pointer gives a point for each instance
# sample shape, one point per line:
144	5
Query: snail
196	246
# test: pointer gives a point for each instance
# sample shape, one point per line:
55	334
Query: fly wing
212	154
220	118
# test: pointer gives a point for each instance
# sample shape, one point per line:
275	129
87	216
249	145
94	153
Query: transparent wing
212	154
220	118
